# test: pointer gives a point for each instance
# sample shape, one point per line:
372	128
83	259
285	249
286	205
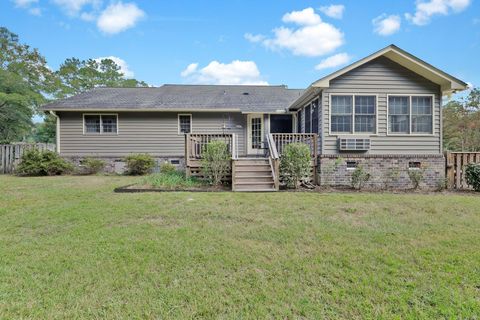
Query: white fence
10	154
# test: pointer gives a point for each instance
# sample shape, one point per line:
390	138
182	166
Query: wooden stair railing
274	160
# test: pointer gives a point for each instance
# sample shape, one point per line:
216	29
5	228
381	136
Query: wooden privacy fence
455	166
10	154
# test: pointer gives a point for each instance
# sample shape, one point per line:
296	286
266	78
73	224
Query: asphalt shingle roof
182	97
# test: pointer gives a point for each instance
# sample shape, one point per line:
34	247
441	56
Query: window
352	165
365	114
184	123
422	116
353	114
410	114
414	165
308	119
100	123
342	111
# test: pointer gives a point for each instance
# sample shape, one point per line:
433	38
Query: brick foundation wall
117	164
386	172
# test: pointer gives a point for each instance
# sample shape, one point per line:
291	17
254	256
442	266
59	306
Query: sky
290	42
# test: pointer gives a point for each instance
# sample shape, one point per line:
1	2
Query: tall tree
24	79
461	123
77	76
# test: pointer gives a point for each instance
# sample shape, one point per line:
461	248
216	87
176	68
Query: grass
171	181
70	248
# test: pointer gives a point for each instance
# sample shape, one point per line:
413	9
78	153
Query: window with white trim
100	123
353	114
410	114
184	123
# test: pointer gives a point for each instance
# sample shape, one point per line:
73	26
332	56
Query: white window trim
410	134
178	122
353	115
101	124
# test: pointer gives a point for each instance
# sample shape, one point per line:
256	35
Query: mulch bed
136	188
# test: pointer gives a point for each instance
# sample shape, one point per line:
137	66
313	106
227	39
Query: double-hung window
100	123
410	114
184	123
353	114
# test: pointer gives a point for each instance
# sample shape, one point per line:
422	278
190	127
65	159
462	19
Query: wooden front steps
252	174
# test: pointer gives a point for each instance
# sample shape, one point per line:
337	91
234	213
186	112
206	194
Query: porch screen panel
281	123
299	122
308	117
315	116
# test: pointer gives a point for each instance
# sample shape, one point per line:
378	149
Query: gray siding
381	77
155	133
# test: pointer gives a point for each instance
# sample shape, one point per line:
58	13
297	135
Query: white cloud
254	37
24	3
333	11
191	68
386	25
333	61
312	38
35	11
73	7
127	73
119	17
306	17
88	16
235	72
426	9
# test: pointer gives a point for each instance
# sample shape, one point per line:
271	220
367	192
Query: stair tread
254	176
255	190
253	183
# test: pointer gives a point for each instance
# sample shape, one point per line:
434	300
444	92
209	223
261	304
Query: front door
255	134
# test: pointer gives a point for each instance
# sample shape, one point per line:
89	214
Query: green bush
167	167
92	165
215	161
295	164
139	164
42	163
472	175
359	177
416	177
174	180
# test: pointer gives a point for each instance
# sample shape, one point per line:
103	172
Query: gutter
57	131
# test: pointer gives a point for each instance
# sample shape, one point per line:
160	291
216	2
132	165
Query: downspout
57	131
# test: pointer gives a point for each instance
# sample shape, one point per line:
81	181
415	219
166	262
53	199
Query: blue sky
243	41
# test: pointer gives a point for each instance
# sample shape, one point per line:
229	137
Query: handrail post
234	146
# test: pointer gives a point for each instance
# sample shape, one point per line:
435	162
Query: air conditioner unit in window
353	144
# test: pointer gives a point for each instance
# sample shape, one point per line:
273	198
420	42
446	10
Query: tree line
26	83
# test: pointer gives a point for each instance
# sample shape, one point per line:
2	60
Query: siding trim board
353	133
410	134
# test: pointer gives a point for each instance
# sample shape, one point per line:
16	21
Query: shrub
215	161
139	164
42	163
416	177
472	175
295	164
93	166
167	167
359	177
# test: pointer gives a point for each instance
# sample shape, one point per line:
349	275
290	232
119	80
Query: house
382	112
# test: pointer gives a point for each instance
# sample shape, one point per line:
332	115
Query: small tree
295	164
472	175
42	163
416	177
215	161
359	177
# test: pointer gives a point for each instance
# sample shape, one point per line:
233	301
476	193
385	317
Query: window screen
422	116
365	114
398	114
92	123
315	116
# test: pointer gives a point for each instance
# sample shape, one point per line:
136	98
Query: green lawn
71	248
